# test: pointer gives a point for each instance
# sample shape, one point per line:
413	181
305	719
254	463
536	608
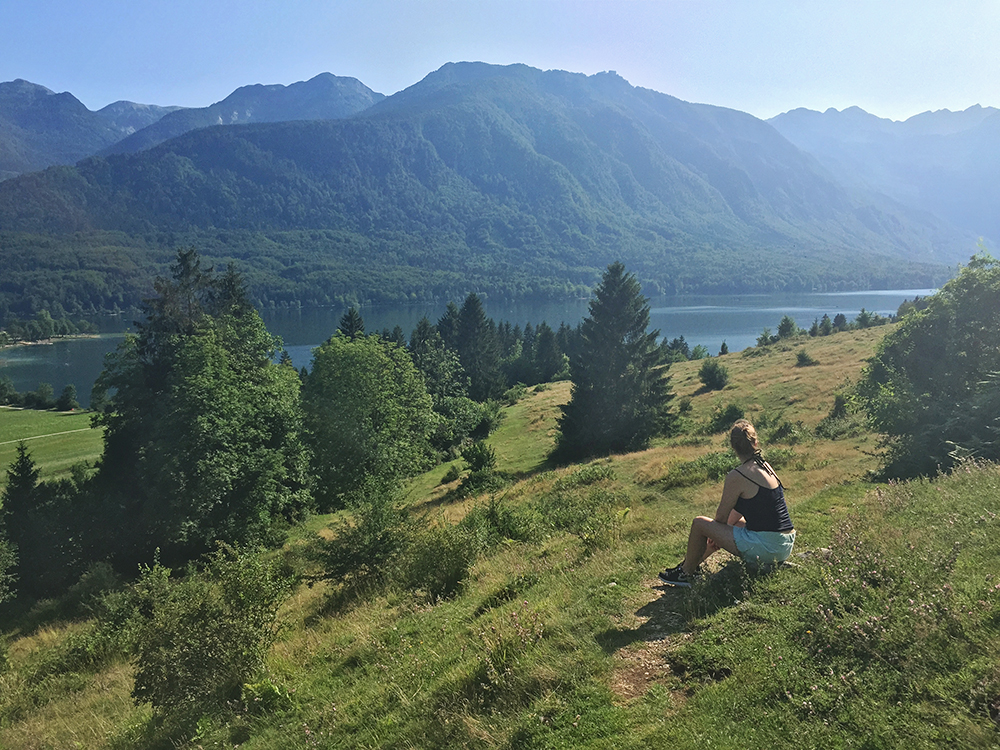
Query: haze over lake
708	320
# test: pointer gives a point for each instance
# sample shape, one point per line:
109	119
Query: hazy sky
894	59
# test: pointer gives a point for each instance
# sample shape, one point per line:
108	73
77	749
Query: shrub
713	375
200	639
723	417
589	474
766	338
514	394
480	456
439	560
777	429
804	359
494	522
483	476
706	468
491	417
594	517
452	475
932	387
840	422
367	548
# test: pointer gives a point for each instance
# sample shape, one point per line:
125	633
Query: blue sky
894	59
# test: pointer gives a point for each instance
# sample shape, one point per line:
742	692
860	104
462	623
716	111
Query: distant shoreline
50	341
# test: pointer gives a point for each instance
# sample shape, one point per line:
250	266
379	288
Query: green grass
56	440
889	639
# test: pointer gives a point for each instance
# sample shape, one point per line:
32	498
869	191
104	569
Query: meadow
56	440
880	633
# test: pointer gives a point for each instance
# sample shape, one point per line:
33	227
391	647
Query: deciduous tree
367	417
201	436
933	386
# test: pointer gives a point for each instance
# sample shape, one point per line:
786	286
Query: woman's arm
731	490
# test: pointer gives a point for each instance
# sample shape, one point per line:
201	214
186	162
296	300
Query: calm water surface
706	320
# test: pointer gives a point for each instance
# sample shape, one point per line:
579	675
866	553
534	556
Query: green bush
932	387
804	359
452	475
594	517
483	477
777	429
514	394
495	521
439	560
200	639
710	467
491	417
766	338
265	697
8	579
589	474
480	456
366	548
713	376
840	422
723	417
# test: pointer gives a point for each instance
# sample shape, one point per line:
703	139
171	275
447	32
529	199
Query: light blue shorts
763	547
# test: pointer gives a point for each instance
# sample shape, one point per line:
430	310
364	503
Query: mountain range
503	179
945	163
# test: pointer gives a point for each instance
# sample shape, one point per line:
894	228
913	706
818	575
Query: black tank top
765	511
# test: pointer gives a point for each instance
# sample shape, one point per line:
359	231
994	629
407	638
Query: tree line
211	435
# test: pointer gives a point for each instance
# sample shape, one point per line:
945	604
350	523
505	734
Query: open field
56	440
885	635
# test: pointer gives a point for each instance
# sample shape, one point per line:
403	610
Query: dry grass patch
83	719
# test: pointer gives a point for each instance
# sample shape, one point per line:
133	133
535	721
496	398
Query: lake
706	320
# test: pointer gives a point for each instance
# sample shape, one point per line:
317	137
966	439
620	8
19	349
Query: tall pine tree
478	348
620	391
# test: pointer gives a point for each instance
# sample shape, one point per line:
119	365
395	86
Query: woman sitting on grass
752	520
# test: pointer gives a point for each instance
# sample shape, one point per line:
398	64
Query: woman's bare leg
711	546
703	529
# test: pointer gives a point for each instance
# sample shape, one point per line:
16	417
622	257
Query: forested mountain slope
40	128
505	179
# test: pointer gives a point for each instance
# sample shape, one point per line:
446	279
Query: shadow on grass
674	611
663	617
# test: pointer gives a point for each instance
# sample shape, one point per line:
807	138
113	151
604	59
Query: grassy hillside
883	635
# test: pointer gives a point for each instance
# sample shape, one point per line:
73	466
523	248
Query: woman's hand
711	546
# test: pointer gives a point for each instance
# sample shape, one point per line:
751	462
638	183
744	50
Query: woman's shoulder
737	474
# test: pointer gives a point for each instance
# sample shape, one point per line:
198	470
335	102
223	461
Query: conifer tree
438	364
352	324
548	358
620	391
478	348
447	325
20	496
